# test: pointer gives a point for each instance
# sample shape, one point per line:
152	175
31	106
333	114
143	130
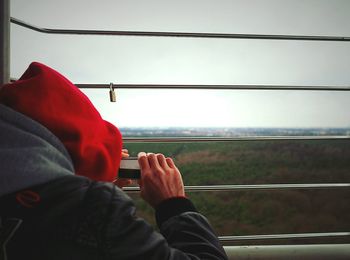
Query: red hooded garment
49	98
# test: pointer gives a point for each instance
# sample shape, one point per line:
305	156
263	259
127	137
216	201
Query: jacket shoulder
69	215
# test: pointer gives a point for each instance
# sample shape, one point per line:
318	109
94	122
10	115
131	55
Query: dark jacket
49	213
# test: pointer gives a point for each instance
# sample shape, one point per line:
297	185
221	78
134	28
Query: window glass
225	112
256	162
214	113
264	162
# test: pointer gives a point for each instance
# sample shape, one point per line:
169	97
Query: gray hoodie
29	153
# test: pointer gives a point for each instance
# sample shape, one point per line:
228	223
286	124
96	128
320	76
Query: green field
263	162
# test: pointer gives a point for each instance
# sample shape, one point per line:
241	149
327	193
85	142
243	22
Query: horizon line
241	127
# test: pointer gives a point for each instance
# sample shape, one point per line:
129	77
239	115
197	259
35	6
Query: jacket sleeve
187	230
185	234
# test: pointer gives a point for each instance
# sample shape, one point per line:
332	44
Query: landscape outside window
264	212
257	162
214	113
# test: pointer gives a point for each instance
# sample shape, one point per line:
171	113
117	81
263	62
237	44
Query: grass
263	212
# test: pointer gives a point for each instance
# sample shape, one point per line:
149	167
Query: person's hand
125	153
160	178
123	182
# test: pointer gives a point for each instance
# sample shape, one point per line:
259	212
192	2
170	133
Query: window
227	121
265	204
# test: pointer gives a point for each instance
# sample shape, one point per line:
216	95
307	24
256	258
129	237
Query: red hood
48	97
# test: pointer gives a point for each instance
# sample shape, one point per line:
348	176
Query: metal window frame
4	42
182	34
5	78
256	187
283	236
215	87
231	139
277	252
195	35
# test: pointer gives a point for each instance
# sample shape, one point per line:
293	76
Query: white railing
278	252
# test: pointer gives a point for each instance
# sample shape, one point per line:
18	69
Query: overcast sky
104	59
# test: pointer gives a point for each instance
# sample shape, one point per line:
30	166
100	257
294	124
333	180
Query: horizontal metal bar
181	34
256	187
283	236
214	87
211	87
273	252
4	42
230	139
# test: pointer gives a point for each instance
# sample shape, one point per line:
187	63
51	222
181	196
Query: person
57	198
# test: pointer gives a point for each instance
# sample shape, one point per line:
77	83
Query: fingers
170	163
162	161
122	182
157	161
153	161
143	161
125	153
